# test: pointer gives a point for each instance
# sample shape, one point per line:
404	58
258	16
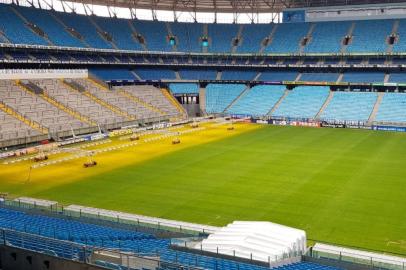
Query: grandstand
138	82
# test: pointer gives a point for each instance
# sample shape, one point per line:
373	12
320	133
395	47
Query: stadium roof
234	6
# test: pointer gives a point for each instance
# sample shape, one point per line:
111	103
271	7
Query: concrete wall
193	110
19	259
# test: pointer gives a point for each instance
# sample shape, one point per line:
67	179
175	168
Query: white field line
83	154
56	151
112	148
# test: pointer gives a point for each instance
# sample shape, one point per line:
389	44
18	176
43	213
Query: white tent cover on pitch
262	241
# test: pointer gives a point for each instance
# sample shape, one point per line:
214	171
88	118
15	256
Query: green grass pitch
342	186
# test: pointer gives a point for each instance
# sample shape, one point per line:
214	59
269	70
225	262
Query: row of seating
184	88
108	237
47	56
258	101
35	108
219	96
67	29
11	128
392	108
350	106
144	73
305	102
62	108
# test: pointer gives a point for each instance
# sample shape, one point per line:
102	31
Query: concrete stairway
340	77
202	99
257	76
386	78
33	124
103	103
3	37
205	34
135	32
100	31
67	109
29	25
378	102
271	35
98	83
140	101
309	37
277	104
394	31
298	77
75	35
136	75
325	104
174	102
177	75
36	90
246	90
239	36
349	33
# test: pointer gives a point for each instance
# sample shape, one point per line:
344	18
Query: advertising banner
389	128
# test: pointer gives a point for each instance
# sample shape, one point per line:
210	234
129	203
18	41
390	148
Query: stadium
202	135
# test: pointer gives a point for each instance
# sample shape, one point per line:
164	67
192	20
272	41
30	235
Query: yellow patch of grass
17	179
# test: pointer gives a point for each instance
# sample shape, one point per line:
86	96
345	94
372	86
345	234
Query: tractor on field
40	157
90	162
134	137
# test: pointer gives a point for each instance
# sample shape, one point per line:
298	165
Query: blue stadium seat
392	108
54	30
221	36
184	88
400	45
188	36
353	61
303	102
15	28
327	37
80	233
331	61
243	75
370	36
117	74
319	77
85	28
119	29
257	101
363	77
350	106
155	73
287	38
20	56
198	74
155	34
278	76
397	78
219	96
252	37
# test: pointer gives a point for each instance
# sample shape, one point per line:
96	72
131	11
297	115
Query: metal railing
355	258
142	224
84	130
103	257
194	244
